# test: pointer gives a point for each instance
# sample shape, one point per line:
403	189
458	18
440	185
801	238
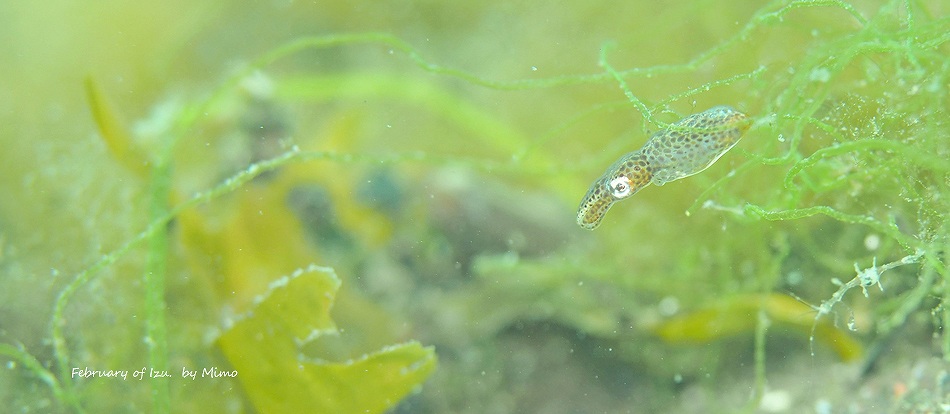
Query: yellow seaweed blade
263	349
243	246
706	325
113	131
263	239
739	316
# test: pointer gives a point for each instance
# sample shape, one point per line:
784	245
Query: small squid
684	148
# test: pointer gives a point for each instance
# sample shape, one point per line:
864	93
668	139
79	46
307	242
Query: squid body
684	148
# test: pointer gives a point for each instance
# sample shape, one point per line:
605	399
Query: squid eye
619	187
